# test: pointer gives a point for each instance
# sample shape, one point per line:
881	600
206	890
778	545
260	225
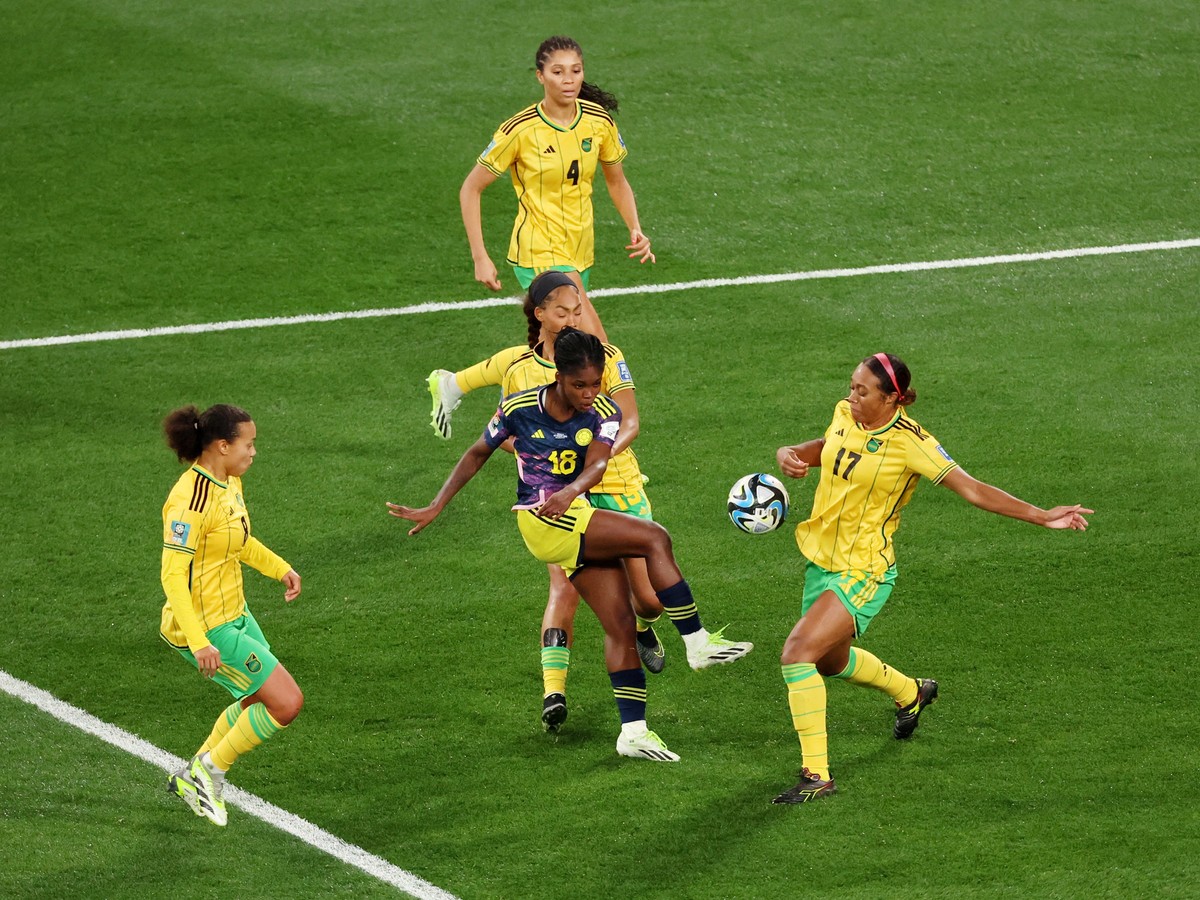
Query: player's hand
639	246
291	583
1067	517
556	504
790	464
486	274
208	660
422	516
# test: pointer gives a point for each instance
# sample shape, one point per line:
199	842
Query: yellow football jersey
206	538
553	169
866	479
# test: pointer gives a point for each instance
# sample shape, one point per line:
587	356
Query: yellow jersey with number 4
553	168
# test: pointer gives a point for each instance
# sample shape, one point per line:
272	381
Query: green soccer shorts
862	593
525	276
246	657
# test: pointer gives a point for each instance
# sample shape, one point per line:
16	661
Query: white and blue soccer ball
758	503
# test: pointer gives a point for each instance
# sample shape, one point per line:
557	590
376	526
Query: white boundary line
282	819
237	324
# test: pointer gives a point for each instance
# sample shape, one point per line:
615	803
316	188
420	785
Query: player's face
870	406
580	388
562	76
240	451
562	309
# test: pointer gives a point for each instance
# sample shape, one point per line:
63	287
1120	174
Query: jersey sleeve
616	371
928	458
612	148
497	430
256	555
609	415
500	154
181	535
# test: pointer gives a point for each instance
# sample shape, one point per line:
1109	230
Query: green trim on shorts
862	593
525	276
632	504
246	658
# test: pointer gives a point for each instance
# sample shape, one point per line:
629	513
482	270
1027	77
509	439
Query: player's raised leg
613	535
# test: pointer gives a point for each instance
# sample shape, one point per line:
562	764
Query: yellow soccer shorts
557	541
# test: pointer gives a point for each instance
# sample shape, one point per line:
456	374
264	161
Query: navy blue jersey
549	453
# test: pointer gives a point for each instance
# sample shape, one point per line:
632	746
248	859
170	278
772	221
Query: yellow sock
643	623
252	727
221	728
806	698
868	670
556	661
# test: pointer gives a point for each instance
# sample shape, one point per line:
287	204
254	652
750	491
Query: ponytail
188	431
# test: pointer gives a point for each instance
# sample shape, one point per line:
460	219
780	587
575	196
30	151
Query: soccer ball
758	503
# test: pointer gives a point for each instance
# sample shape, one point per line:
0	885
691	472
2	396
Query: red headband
887	364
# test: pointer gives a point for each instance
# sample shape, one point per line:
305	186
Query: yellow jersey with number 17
866	479
553	168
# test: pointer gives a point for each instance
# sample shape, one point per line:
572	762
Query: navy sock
681	608
629	689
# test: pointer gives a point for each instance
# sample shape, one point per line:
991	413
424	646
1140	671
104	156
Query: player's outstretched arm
795	461
991	498
464	470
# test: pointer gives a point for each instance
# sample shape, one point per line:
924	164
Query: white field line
421	308
255	806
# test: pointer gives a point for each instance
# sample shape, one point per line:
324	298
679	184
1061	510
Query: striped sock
868	670
644	624
680	607
806	698
629	689
555	663
252	727
224	722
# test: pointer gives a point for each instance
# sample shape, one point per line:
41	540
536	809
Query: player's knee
660	539
288	707
796	650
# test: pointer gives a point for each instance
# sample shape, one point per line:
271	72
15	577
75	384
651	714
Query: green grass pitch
168	163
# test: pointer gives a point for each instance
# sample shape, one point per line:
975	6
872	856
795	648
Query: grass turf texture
171	164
